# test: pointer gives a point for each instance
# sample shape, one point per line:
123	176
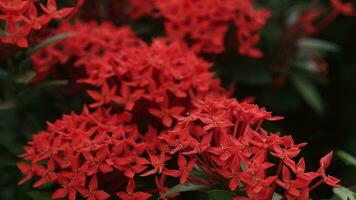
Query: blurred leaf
8	141
307	65
53	83
317	44
344	193
49	41
294	12
308	91
25	77
253	75
276	196
184	188
39	195
347	158
220	195
6	105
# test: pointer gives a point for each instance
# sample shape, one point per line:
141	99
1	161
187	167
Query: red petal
60	193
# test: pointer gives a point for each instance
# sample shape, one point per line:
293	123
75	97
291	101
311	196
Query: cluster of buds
21	17
205	23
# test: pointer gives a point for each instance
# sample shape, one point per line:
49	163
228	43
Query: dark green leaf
317	44
344	193
276	196
308	91
49	41
39	195
220	195
347	158
184	188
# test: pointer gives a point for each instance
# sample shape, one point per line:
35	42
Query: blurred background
310	79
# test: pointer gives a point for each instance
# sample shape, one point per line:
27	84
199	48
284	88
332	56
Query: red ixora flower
22	17
206	22
158	80
344	7
158	114
86	48
81	153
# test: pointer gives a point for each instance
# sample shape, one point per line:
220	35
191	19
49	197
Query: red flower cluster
225	141
87	47
21	17
221	139
160	115
205	23
162	78
345	8
310	20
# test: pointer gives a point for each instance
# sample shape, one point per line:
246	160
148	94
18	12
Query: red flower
47	175
127	97
184	169
158	162
131	195
68	189
293	188
21	17
93	193
205	23
324	163
165	113
52	10
345	8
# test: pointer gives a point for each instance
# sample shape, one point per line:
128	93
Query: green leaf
7	105
276	196
220	195
347	158
308	91
184	188
307	65
316	44
49	41
344	193
294	12
25	77
39	195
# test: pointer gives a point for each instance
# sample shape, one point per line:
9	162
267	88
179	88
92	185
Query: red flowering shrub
220	139
345	8
205	23
21	17
310	18
160	116
164	78
88	47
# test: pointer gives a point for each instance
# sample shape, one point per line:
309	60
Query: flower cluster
220	139
345	8
162	78
205	23
312	20
225	141
159	116
21	17
90	43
